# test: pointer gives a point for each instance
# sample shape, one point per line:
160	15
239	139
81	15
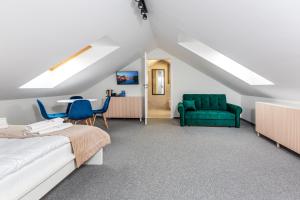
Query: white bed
31	167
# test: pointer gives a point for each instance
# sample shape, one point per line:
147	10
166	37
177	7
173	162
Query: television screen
127	77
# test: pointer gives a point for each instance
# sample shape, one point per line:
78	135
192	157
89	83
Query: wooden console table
125	107
280	123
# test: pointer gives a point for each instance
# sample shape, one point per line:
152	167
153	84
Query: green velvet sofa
208	110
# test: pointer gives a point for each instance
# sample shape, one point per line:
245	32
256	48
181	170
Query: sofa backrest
208	101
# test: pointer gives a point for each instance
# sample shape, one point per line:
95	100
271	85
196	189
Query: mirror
158	81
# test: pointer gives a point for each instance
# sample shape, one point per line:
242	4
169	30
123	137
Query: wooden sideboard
280	123
125	107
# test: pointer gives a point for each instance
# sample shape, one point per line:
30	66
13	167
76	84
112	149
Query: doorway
159	89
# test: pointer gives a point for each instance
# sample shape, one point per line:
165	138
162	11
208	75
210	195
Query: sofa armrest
181	111
237	110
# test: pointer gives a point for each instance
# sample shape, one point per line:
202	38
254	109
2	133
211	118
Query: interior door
146	88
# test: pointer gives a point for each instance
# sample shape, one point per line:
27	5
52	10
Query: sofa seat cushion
209	114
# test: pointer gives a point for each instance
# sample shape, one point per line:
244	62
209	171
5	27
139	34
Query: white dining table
72	100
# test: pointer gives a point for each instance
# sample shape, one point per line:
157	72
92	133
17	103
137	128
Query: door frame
146	88
171	82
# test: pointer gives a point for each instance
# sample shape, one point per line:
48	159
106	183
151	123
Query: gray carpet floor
165	161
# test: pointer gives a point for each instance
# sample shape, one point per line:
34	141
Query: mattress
17	153
25	163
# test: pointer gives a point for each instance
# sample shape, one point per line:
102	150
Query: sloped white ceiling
262	35
35	35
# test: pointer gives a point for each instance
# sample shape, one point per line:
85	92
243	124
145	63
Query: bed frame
44	187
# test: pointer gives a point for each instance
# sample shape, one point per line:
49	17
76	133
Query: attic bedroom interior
149	99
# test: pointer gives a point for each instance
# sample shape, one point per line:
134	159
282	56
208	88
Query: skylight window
223	62
73	65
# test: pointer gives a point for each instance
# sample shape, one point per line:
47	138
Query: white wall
25	111
248	105
184	79
98	90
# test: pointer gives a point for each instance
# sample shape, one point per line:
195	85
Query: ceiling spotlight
144	17
140	5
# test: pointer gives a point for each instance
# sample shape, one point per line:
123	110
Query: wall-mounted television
127	77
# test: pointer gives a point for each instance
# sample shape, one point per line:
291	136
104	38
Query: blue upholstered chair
102	111
81	110
69	104
49	116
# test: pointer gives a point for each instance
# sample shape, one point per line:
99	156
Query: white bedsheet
17	153
25	180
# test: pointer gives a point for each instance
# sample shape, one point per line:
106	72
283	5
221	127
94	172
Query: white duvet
17	153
